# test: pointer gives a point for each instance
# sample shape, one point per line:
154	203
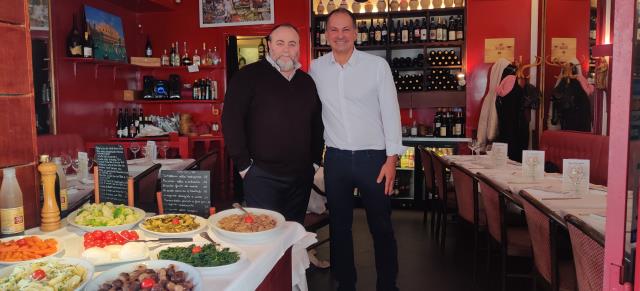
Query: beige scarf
488	122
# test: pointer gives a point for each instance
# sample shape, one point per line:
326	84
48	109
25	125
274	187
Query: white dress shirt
360	107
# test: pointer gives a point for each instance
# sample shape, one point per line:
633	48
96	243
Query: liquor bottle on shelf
186	60
261	49
372	34
439	30
459	29
206	60
405	33
359	33
437	122
323	34
196	58
164	59
433	29
416	32
141	123
445	29
175	56
377	32
424	31
74	41
392	33
452	29
410	28
148	52
385	32
214	56
87	45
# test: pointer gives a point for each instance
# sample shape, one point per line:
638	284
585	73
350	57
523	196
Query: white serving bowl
218	270
42	237
246	236
112	274
5	272
116	228
201	221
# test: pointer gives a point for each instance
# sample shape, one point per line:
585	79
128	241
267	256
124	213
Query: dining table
282	253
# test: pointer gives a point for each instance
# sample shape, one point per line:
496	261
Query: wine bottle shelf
402	45
444	67
408	69
400	14
124	65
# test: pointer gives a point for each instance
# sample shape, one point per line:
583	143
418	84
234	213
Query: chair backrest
494	206
439	175
145	187
588	254
427	169
466	193
542	232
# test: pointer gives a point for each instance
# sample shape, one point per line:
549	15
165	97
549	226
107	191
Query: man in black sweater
273	129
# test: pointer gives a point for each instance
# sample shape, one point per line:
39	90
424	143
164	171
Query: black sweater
273	121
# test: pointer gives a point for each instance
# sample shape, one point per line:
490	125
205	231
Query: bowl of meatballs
154	275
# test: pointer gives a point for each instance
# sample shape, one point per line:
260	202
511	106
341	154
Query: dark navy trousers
344	171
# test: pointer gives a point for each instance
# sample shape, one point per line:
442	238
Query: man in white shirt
363	136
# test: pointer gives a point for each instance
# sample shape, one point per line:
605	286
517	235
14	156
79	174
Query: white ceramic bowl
5	272
112	274
42	237
201	221
218	270
246	236
71	219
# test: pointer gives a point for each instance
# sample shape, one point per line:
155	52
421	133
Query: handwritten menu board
186	192
113	174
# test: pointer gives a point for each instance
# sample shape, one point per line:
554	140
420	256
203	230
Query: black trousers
344	171
288	195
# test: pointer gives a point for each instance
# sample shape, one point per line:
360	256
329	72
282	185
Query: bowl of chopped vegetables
105	216
174	225
63	274
204	256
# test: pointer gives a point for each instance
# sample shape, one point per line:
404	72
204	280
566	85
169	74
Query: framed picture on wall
216	13
107	33
39	14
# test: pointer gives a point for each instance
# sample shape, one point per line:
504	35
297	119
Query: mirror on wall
42	66
569	34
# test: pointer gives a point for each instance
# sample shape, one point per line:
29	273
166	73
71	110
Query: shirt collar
353	60
273	63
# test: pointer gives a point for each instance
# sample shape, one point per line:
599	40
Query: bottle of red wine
87	45
147	50
74	41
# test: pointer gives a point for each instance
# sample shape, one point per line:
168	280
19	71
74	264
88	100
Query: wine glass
75	164
65	161
576	174
164	147
144	151
135	148
473	146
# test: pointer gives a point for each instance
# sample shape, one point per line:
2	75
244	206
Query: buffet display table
264	259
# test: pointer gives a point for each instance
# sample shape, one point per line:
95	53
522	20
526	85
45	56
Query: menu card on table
186	192
499	153
575	176
533	164
113	174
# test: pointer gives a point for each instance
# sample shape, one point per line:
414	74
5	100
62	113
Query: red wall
84	98
493	19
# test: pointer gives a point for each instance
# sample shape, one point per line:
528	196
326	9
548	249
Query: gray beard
285	65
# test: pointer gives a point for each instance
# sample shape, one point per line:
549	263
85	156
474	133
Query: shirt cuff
395	149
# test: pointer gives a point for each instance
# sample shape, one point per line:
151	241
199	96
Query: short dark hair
342	11
288	25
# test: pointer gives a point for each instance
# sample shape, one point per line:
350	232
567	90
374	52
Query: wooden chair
446	196
512	240
312	223
429	186
544	233
469	208
141	188
588	253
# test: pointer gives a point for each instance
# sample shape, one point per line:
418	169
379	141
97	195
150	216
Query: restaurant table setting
257	258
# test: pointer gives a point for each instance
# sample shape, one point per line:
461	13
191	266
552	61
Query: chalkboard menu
113	174
186	192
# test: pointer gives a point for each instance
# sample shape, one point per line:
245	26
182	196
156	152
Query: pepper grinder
50	212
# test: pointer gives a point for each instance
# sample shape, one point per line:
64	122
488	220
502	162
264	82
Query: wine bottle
385	32
148	52
175	56
439	30
323	34
377	32
445	30
316	40
196	58
405	32
359	35
392	33
459	29
164	60
261	49
416	32
74	41
372	34
452	29
87	45
424	32
433	30
205	57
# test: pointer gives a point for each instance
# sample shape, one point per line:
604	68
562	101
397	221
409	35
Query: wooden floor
423	264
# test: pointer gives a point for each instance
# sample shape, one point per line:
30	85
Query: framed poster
563	49
216	13
39	14
108	35
496	48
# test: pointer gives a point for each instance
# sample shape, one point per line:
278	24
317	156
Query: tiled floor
423	265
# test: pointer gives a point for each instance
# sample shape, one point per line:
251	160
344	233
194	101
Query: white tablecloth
261	256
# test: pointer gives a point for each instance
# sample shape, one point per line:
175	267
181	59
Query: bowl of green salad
105	216
204	256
